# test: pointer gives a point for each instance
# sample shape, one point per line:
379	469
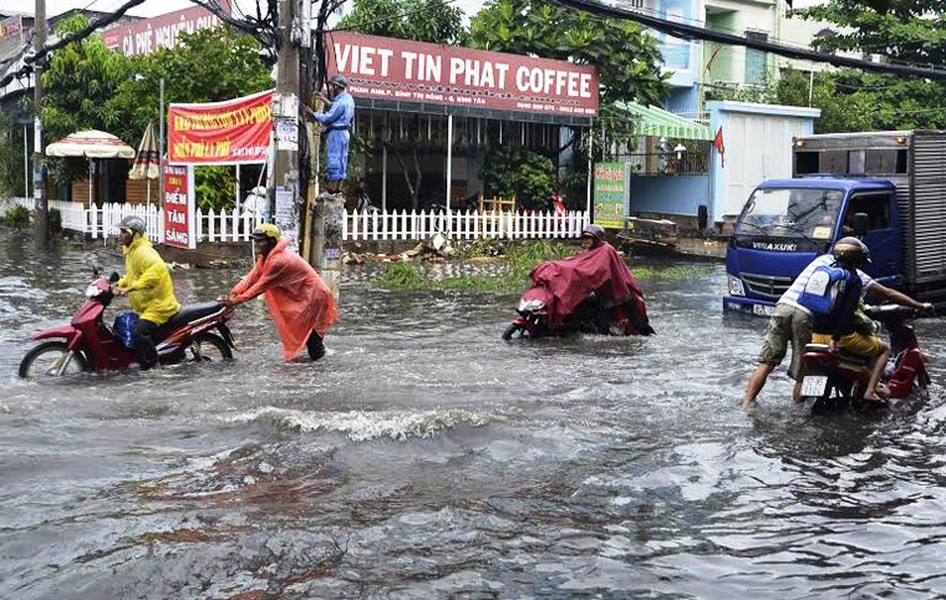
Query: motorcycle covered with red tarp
591	292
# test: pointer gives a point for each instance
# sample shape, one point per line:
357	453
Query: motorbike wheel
207	347
46	360
511	331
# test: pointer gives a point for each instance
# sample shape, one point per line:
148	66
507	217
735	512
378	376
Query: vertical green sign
611	194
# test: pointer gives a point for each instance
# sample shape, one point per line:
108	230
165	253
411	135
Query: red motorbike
88	344
591	292
836	381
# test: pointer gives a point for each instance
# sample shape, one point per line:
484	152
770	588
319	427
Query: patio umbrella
90	144
146	160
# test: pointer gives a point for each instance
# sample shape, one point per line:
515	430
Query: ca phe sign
179	207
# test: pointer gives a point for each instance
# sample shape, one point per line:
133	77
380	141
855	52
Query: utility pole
285	177
41	218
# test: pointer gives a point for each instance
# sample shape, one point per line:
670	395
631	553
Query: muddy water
425	458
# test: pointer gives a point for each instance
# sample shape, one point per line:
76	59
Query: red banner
398	70
178	208
231	132
145	36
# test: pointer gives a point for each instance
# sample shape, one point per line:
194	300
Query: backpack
822	289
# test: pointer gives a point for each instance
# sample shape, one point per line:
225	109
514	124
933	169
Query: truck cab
786	223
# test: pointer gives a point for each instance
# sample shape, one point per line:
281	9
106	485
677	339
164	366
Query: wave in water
360	426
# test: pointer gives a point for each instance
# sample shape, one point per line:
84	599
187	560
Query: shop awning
654	121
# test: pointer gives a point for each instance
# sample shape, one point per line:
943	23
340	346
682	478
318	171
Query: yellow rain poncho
152	295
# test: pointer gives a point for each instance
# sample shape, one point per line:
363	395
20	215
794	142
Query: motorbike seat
188	313
847	357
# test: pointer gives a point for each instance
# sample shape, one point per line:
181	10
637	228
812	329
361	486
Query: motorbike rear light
93	290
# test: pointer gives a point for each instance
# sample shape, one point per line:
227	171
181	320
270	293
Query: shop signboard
11	35
145	36
179	207
417	72
221	133
611	194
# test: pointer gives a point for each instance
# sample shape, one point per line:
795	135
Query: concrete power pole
285	176
41	217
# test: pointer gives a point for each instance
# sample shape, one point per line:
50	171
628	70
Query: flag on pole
718	144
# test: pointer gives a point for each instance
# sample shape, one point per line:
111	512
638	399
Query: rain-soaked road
425	458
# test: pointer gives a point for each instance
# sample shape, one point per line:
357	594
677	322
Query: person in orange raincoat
300	303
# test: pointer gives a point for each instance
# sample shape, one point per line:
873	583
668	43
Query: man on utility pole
41	218
285	176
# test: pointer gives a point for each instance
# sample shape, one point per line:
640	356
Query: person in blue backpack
832	294
791	322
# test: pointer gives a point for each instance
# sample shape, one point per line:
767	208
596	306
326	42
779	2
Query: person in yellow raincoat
300	303
147	283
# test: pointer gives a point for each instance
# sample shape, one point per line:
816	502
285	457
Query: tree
433	21
78	86
909	31
209	65
628	58
912	31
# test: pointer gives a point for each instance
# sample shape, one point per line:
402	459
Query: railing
231	226
418	225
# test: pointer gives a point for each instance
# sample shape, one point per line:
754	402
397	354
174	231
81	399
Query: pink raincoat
298	299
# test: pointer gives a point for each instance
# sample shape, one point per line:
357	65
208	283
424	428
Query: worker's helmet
338	80
593	231
133	224
851	251
266	230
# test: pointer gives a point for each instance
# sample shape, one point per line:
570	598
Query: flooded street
426	458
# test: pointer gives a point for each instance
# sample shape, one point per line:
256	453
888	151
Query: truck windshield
791	212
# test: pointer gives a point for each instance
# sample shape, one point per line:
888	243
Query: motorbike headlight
92	291
531	305
736	287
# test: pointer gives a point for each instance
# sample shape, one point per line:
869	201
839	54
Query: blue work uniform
337	120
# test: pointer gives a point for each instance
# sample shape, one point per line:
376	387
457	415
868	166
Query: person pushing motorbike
300	303
147	283
791	323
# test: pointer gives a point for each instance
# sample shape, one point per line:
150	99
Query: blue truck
887	188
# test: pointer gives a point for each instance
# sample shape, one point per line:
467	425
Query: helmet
851	251
593	231
133	223
266	230
338	80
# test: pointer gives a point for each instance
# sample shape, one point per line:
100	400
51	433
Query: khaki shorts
788	325
853	343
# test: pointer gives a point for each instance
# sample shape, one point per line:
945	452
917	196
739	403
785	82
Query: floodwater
426	458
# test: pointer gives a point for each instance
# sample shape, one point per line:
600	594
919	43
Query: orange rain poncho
298	299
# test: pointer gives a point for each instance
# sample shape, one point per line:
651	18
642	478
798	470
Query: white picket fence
230	226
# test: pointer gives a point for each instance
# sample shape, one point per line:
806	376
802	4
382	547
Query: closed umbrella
90	144
146	160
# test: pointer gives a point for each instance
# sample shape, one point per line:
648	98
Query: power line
689	32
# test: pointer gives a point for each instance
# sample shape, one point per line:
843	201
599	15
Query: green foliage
628	58
903	31
906	31
11	156
434	21
214	187
512	170
852	100
81	80
518	263
17	216
209	65
55	220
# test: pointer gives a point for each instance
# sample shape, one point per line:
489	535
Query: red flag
718	144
